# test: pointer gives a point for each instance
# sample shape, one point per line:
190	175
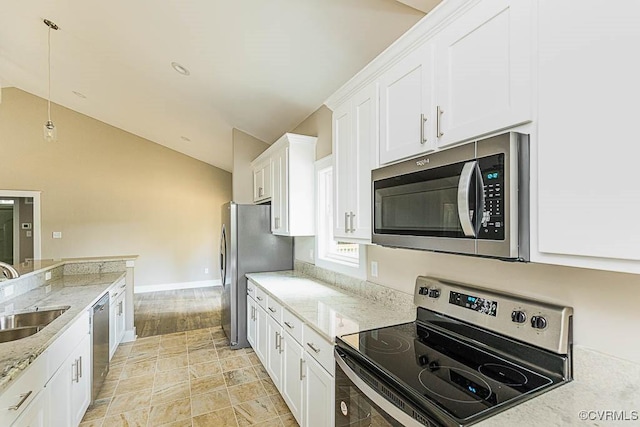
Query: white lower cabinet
302	374
69	390
18	398
292	376
318	389
261	334
35	415
274	351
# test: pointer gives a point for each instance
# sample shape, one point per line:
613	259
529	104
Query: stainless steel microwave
472	199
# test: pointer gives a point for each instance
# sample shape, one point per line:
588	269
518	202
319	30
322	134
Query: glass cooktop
460	378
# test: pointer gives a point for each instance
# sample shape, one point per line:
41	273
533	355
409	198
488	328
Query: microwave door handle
464	191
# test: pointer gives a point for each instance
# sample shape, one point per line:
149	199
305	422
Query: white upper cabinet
354	137
587	154
406	92
261	181
483	71
291	159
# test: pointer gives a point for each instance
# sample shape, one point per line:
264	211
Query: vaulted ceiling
258	66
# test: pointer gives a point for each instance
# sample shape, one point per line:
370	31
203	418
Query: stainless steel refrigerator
246	246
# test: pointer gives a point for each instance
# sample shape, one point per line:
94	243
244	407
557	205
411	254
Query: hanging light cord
49	64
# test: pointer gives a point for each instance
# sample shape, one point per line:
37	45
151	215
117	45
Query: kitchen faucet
8	271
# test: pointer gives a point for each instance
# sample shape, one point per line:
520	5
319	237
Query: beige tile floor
190	379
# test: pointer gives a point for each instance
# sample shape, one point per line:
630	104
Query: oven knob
434	366
518	316
423	290
434	293
538	322
423	360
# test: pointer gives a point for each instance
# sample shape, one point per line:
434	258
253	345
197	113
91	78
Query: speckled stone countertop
35	266
77	291
329	310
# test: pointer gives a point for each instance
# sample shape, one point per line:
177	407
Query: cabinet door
292	374
58	390
80	396
261	334
484	70
251	321
587	113
342	170
35	415
113	316
364	140
258	184
274	351
405	106
120	317
318	395
280	196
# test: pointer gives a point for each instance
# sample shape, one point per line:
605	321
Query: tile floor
190	379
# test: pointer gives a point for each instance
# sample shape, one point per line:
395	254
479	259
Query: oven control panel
492	169
536	322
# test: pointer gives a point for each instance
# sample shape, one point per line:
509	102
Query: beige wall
110	192
245	149
318	124
606	313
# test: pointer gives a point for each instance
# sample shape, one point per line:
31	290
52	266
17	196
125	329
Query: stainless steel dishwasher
100	344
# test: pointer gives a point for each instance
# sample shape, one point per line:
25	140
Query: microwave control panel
492	226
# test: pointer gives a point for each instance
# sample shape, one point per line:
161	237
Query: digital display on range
474	303
473	387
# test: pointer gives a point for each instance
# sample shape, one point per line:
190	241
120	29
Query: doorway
20	238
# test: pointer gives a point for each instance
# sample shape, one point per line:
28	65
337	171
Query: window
343	257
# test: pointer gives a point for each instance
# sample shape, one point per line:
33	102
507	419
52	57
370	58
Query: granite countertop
329	310
77	291
38	265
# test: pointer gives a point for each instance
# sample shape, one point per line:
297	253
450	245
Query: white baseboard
172	286
129	335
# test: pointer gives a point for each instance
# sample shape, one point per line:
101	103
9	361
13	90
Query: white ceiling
258	66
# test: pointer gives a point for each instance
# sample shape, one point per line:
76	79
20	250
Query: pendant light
50	131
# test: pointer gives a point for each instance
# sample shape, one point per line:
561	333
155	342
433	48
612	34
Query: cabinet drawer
292	324
320	349
23	390
274	309
63	346
251	289
261	298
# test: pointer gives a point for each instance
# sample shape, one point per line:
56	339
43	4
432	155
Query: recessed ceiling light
179	68
184	138
79	95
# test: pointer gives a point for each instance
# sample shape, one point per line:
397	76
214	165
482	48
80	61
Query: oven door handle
388	407
464	191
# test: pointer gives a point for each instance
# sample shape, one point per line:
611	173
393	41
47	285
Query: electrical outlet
206	270
47	275
374	269
57	234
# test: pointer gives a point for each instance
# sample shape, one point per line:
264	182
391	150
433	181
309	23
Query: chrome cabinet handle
464	189
277	340
250	289
439	112
260	192
423	120
74	365
280	346
288	325
301	369
313	347
346	222
351	216
80	368
273	310
23	398
259	298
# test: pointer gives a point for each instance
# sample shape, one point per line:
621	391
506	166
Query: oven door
359	405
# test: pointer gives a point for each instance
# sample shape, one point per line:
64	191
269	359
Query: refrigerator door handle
223	250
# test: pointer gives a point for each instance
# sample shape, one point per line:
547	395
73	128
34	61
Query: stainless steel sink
25	323
17	333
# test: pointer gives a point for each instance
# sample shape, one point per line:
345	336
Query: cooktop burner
385	343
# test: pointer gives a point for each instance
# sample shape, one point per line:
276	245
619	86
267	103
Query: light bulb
50	132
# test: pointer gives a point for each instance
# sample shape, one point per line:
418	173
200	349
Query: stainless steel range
470	354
